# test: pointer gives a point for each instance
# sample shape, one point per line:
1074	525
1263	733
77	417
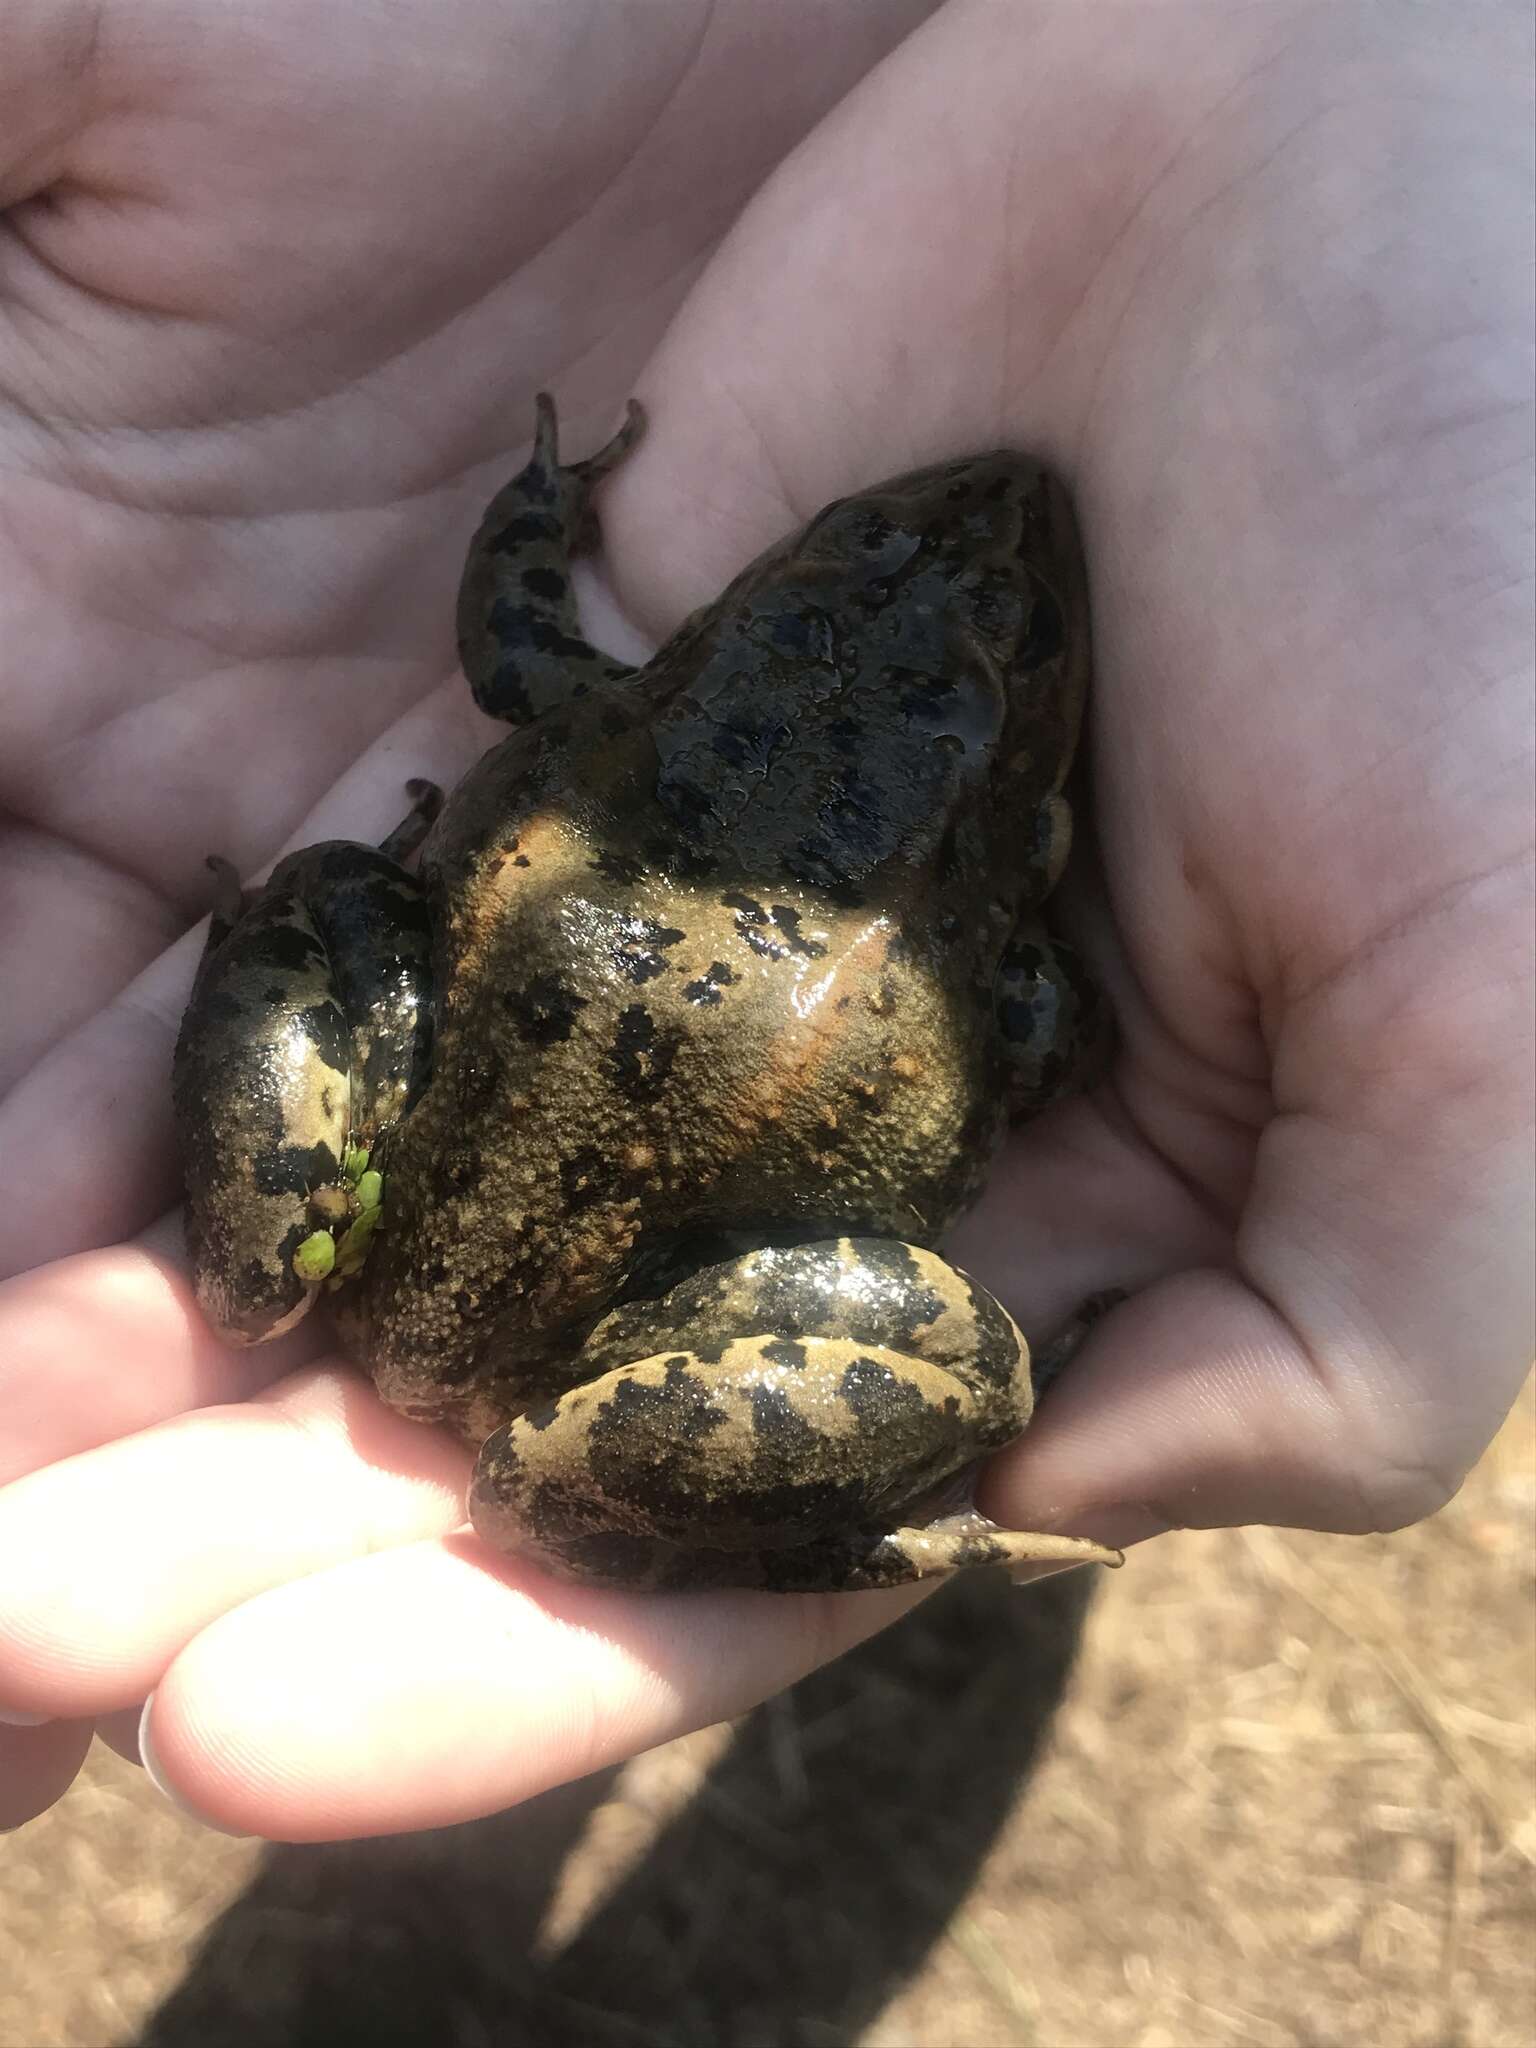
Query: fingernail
13	1717
157	1778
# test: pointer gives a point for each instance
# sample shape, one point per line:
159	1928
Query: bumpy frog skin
702	1020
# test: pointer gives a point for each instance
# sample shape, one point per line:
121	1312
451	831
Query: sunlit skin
276	295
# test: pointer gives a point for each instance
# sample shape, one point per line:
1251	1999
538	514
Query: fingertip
1193	1406
166	1785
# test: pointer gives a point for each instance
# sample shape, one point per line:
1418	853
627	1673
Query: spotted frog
621	1133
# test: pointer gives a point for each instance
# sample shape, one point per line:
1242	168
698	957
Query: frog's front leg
520	640
307	1035
791	1420
1056	1026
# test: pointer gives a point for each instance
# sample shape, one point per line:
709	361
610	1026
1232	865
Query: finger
436	1682
1376	1323
120	1732
83	927
116	1558
90	1124
37	1767
105	1344
768	399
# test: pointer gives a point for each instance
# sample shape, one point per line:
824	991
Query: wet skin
619	1136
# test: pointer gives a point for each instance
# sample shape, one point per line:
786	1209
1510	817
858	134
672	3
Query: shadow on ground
800	1883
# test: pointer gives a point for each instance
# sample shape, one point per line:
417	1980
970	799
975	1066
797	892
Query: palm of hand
235	567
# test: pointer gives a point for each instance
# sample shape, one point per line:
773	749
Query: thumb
1350	1364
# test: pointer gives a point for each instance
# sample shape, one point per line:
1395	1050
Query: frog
618	1104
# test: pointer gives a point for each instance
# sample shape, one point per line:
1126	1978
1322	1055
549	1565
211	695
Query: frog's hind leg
821	1457
519	636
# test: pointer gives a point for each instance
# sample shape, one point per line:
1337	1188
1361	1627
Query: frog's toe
612	452
959	1543
426	802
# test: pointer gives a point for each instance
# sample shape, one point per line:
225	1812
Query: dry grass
1286	1803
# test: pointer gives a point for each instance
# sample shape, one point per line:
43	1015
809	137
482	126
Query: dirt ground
1258	1790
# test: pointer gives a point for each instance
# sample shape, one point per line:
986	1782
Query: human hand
1255	284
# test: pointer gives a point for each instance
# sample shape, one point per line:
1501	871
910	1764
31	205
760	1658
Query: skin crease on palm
275	292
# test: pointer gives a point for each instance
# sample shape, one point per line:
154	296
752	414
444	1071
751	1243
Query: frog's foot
520	639
902	1557
1056	1025
308	1032
818	1459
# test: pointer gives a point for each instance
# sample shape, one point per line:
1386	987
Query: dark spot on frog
801	631
586	1176
995	1338
220	1011
544	1009
1045	635
523	628
527	529
641	1057
749	742
613	1555
878	1397
478	1083
907	1308
789	1435
617	867
690	805
706	990
680	859
637	953
464	1169
546	583
785	1351
774	933
945	854
287	946
323	1026
639	1424
538	482
511	691
256	1279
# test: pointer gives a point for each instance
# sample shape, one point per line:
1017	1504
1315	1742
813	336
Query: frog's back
717	945
640	1043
